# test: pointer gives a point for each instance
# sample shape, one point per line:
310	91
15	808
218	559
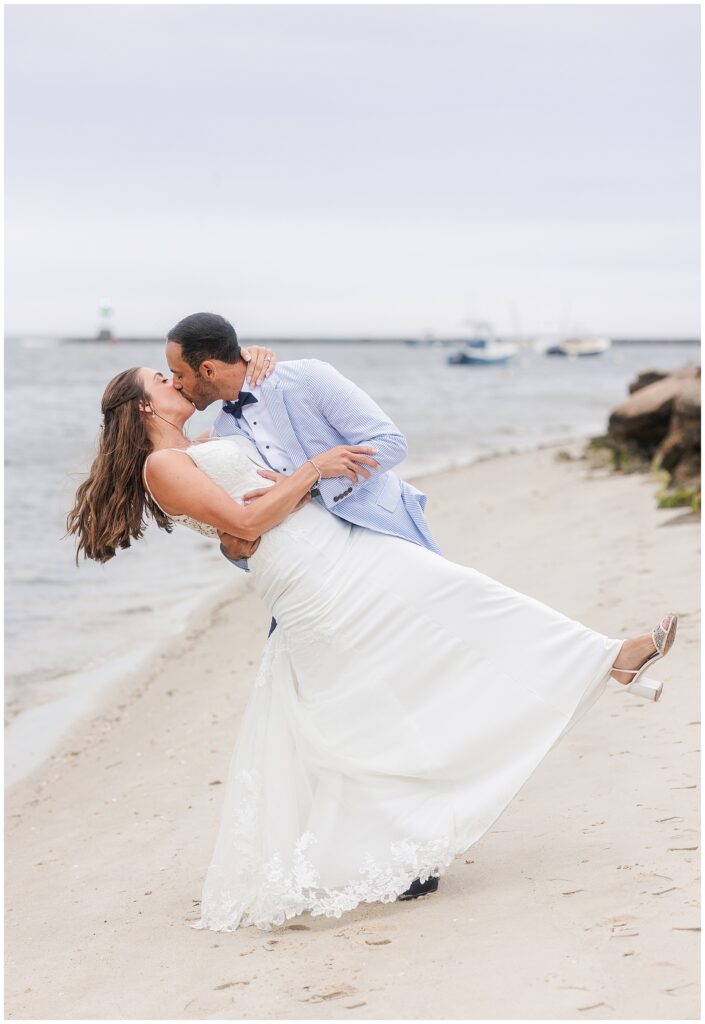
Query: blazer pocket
389	494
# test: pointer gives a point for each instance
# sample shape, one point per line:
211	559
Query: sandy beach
580	902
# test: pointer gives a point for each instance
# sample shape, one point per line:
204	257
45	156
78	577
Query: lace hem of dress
267	895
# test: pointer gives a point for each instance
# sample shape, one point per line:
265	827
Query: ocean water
67	627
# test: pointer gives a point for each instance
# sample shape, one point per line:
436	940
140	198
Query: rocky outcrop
679	452
658	428
647	377
643	418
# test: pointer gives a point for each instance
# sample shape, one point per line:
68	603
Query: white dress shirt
258	423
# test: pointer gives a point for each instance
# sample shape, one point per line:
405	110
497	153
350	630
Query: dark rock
647	377
645	416
657	427
679	452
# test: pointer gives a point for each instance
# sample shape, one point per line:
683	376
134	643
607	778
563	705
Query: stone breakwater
657	429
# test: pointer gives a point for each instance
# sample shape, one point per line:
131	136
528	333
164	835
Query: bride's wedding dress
400	705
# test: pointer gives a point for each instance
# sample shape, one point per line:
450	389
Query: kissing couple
402	700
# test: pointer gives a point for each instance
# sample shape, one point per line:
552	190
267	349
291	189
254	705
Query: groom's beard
201	401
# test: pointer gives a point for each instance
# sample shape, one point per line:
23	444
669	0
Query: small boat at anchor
580	346
486	351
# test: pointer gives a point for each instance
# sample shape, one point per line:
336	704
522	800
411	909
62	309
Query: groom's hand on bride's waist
235	548
257	492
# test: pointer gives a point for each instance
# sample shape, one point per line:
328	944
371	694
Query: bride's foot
633	654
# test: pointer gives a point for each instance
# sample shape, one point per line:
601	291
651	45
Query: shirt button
266	446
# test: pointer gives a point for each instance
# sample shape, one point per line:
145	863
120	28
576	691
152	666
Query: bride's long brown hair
110	506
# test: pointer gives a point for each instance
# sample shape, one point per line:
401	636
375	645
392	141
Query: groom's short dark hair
205	336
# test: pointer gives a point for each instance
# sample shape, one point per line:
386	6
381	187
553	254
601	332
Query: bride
401	703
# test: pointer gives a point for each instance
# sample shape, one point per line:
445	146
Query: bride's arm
181	488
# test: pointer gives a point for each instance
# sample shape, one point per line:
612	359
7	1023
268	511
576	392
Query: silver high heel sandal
663	641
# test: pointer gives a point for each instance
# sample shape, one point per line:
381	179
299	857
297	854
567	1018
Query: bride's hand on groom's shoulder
260	362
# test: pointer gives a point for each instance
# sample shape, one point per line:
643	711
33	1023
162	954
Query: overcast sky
349	170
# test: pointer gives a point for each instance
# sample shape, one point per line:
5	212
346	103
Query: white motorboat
581	345
485	351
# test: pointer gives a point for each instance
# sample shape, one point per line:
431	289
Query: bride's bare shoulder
164	461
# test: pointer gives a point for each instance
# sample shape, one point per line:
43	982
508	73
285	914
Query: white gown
401	703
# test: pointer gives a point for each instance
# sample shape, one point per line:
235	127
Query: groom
302	409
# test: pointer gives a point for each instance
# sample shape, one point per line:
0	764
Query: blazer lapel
273	397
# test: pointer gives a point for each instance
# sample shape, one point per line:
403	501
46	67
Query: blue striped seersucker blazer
314	408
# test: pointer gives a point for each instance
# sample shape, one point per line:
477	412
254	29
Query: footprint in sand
620	927
677	988
323	995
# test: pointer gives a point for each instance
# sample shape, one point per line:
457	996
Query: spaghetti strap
144	477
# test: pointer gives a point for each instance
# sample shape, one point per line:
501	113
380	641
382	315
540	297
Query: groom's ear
207	369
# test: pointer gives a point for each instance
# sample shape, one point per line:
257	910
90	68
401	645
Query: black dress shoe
418	888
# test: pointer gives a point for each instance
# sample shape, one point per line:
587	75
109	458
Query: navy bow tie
235	408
